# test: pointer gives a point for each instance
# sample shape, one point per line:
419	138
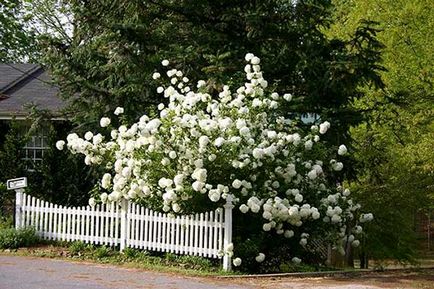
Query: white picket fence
127	224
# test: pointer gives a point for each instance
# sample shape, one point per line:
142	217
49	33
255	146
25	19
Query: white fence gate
127	224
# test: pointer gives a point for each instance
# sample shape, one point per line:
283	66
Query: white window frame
38	142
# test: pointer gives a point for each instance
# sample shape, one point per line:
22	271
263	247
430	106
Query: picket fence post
227	232
18	208
124	212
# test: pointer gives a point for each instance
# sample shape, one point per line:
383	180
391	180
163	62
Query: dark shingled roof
22	85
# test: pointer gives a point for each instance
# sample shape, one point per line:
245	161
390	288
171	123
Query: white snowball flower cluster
60	144
92	202
119	110
208	146
105	121
342	150
229	250
323	128
237	262
366	217
296	260
260	258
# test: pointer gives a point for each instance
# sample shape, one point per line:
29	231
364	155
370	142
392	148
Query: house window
310	118
33	151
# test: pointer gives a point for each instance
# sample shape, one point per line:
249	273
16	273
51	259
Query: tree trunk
363	260
349	255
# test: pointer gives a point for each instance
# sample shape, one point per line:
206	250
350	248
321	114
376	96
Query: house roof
24	85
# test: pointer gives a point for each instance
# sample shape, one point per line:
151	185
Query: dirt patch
422	279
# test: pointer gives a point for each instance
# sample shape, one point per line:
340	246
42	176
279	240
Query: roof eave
24	116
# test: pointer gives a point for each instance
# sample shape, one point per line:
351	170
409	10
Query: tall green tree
394	144
17	42
116	46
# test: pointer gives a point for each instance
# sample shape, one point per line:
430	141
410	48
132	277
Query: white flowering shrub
203	147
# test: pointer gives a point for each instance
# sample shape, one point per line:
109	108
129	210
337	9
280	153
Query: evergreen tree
117	45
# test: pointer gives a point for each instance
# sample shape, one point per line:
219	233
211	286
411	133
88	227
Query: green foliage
394	145
406	32
58	172
118	44
4	197
247	250
17	42
12	166
102	252
144	257
131	253
12	238
76	248
279	253
11	151
6	222
188	262
51	17
392	189
248	242
87	251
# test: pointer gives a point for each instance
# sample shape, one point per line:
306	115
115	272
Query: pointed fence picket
150	230
127	224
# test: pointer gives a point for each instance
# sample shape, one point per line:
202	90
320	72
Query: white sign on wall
17	183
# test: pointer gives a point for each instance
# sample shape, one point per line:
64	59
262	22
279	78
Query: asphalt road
17	272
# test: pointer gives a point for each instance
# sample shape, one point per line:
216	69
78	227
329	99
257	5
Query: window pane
44	142
38	142
38	154
31	142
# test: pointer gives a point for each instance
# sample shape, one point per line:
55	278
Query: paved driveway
18	272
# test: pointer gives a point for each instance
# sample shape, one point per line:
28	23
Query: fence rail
127	224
